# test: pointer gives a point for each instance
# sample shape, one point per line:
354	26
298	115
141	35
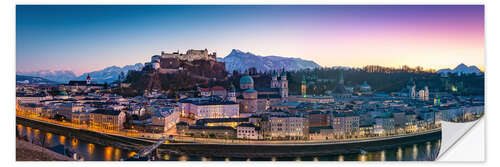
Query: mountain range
106	75
22	79
110	74
461	69
61	76
241	61
236	60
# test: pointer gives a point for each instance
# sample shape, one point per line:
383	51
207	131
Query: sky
87	38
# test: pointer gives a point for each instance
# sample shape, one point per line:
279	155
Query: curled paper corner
452	132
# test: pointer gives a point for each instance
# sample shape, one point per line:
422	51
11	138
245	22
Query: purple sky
87	38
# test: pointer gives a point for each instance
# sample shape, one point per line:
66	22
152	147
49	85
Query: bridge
147	150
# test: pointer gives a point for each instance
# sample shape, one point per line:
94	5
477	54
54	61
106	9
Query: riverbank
26	151
243	149
209	141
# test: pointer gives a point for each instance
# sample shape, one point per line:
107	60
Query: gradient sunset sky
88	38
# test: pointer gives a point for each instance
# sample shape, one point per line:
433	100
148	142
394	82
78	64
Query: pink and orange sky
88	38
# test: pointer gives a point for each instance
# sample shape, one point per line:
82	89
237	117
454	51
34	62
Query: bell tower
274	82
88	79
303	87
283	86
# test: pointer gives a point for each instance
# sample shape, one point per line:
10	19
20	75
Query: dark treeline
321	80
381	79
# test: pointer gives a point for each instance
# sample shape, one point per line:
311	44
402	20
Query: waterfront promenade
177	139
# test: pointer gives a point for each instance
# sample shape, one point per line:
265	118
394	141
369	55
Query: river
424	151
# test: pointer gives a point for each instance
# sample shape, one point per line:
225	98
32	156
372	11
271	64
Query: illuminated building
32	98
166	118
248	131
208	107
107	119
291	127
345	124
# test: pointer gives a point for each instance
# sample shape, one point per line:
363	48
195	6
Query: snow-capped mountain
23	79
461	69
238	60
62	76
106	75
110	74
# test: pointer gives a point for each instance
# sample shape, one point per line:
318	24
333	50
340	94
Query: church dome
62	93
250	91
340	89
275	74
365	85
246	79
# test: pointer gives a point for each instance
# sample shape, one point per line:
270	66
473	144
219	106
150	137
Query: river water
425	151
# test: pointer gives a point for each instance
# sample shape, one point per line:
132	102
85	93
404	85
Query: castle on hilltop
175	61
190	55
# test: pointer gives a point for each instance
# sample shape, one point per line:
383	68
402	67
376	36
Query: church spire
88	79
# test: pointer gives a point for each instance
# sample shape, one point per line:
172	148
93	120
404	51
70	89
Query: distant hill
23	79
239	60
461	69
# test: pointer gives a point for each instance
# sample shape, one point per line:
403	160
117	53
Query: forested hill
381	79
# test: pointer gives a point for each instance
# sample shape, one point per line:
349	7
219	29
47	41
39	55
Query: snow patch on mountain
110	74
106	75
53	75
460	69
241	61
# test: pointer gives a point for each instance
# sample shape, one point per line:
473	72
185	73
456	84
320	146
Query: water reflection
117	155
415	152
93	151
183	158
205	159
62	140
131	154
400	154
90	148
74	143
362	157
107	153
428	149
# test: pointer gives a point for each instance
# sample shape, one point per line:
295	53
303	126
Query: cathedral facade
253	100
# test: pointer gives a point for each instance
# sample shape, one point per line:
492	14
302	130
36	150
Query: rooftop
106	112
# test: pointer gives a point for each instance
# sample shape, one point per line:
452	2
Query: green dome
365	84
62	93
246	79
250	91
283	73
